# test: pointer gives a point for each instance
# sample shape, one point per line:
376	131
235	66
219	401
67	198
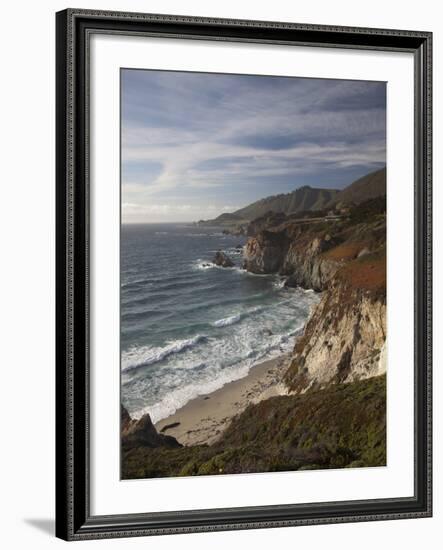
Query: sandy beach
204	419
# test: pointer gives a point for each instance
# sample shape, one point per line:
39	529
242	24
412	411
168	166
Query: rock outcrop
294	252
307	265
344	339
266	252
346	260
142	433
126	421
223	260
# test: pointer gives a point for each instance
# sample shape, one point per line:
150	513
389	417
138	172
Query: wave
176	399
200	264
228	321
205	381
146	355
192	308
233	319
152	298
137	282
250	274
134	285
207	264
231	250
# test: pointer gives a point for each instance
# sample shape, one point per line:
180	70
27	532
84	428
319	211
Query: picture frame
74	29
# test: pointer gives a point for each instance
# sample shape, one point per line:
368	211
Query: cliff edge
345	259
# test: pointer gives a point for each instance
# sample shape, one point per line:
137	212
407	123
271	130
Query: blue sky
195	145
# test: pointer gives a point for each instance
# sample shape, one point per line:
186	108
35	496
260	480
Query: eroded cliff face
309	255
293	250
344	339
308	266
266	252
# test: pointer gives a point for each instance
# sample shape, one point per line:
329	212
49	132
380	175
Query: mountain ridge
367	187
307	199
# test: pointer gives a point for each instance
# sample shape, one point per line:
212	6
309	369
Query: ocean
189	327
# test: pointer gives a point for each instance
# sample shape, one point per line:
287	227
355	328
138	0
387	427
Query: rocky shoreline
341	354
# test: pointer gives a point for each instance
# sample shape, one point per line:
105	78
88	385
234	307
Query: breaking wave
146	355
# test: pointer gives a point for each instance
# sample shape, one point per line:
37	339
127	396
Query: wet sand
204	419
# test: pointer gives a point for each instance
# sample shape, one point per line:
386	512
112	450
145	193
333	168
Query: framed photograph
243	274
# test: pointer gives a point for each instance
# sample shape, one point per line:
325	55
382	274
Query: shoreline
203	419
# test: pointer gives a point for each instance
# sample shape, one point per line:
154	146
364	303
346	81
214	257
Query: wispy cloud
190	140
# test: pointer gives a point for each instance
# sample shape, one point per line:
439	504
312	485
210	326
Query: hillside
368	187
342	426
304	200
300	200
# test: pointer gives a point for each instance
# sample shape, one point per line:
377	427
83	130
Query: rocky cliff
334	415
142	433
345	336
346	260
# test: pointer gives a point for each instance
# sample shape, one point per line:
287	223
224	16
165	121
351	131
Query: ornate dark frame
73	518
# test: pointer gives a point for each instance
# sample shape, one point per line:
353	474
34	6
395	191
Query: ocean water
188	328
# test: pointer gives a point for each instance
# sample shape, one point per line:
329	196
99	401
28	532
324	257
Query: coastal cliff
345	260
331	410
346	333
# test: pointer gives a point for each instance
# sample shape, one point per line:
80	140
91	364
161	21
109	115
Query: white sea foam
228	321
200	264
250	274
233	331
187	381
147	355
206	264
178	398
279	283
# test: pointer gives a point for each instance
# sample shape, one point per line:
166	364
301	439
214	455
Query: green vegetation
369	210
339	427
343	253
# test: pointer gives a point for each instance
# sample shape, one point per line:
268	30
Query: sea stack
223	260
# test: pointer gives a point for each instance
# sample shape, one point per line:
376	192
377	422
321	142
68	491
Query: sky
195	145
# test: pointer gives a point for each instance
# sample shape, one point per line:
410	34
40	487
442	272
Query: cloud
196	137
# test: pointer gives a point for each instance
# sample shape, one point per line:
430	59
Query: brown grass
366	273
346	251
